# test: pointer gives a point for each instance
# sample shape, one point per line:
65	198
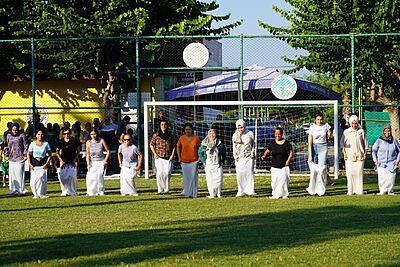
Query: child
4	163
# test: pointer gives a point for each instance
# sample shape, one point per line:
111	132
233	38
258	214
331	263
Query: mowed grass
170	230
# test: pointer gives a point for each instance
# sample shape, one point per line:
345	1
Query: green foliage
377	58
96	18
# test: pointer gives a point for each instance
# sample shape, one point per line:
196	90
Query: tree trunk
393	111
394	121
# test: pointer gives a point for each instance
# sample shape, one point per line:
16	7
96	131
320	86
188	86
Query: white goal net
262	117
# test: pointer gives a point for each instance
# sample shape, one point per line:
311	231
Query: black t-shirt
68	149
279	153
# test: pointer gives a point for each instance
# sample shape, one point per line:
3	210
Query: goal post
261	117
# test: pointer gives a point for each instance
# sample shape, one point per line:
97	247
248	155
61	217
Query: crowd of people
100	138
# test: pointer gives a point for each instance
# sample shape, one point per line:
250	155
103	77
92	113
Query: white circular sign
43	113
195	55
284	87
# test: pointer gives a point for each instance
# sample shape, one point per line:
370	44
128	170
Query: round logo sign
284	87
43	114
195	55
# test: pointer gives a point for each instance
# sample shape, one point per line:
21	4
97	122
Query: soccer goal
261	117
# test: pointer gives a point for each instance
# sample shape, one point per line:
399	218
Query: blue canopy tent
256	86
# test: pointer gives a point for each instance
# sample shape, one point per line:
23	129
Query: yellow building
57	101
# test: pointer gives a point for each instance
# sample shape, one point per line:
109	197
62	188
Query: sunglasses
127	139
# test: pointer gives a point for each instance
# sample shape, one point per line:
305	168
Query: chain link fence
80	79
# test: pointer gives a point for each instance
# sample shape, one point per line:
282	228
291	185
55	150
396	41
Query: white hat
353	118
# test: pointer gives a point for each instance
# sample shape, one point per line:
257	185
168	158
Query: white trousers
190	178
245	176
163	169
214	178
355	177
68	180
38	182
280	179
127	180
386	180
317	179
95	179
16	176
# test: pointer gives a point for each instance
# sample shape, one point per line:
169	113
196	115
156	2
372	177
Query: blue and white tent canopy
256	86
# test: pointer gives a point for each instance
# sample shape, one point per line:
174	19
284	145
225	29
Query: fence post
352	74
241	75
33	84
138	96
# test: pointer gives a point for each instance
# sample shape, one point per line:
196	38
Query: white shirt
319	132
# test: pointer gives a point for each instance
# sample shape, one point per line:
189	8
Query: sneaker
44	196
35	197
285	197
271	197
210	196
391	194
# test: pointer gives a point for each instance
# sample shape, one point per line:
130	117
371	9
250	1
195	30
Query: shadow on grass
126	199
217	237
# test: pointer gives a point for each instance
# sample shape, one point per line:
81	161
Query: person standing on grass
15	152
386	156
39	156
67	153
354	148
244	154
130	160
163	147
188	156
281	152
318	136
212	153
96	163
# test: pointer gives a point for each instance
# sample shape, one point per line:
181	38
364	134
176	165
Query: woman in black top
281	152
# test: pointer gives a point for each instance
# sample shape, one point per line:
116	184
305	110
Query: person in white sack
97	155
318	136
163	147
39	157
244	155
212	154
281	152
67	153
386	156
354	148
130	160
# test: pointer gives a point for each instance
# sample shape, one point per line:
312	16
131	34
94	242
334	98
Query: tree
42	19
377	58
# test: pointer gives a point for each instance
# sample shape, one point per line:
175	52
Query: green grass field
170	230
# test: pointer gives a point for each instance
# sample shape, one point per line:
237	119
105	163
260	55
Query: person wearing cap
354	148
15	152
386	156
244	154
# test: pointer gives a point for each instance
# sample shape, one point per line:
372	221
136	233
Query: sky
250	11
263	52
